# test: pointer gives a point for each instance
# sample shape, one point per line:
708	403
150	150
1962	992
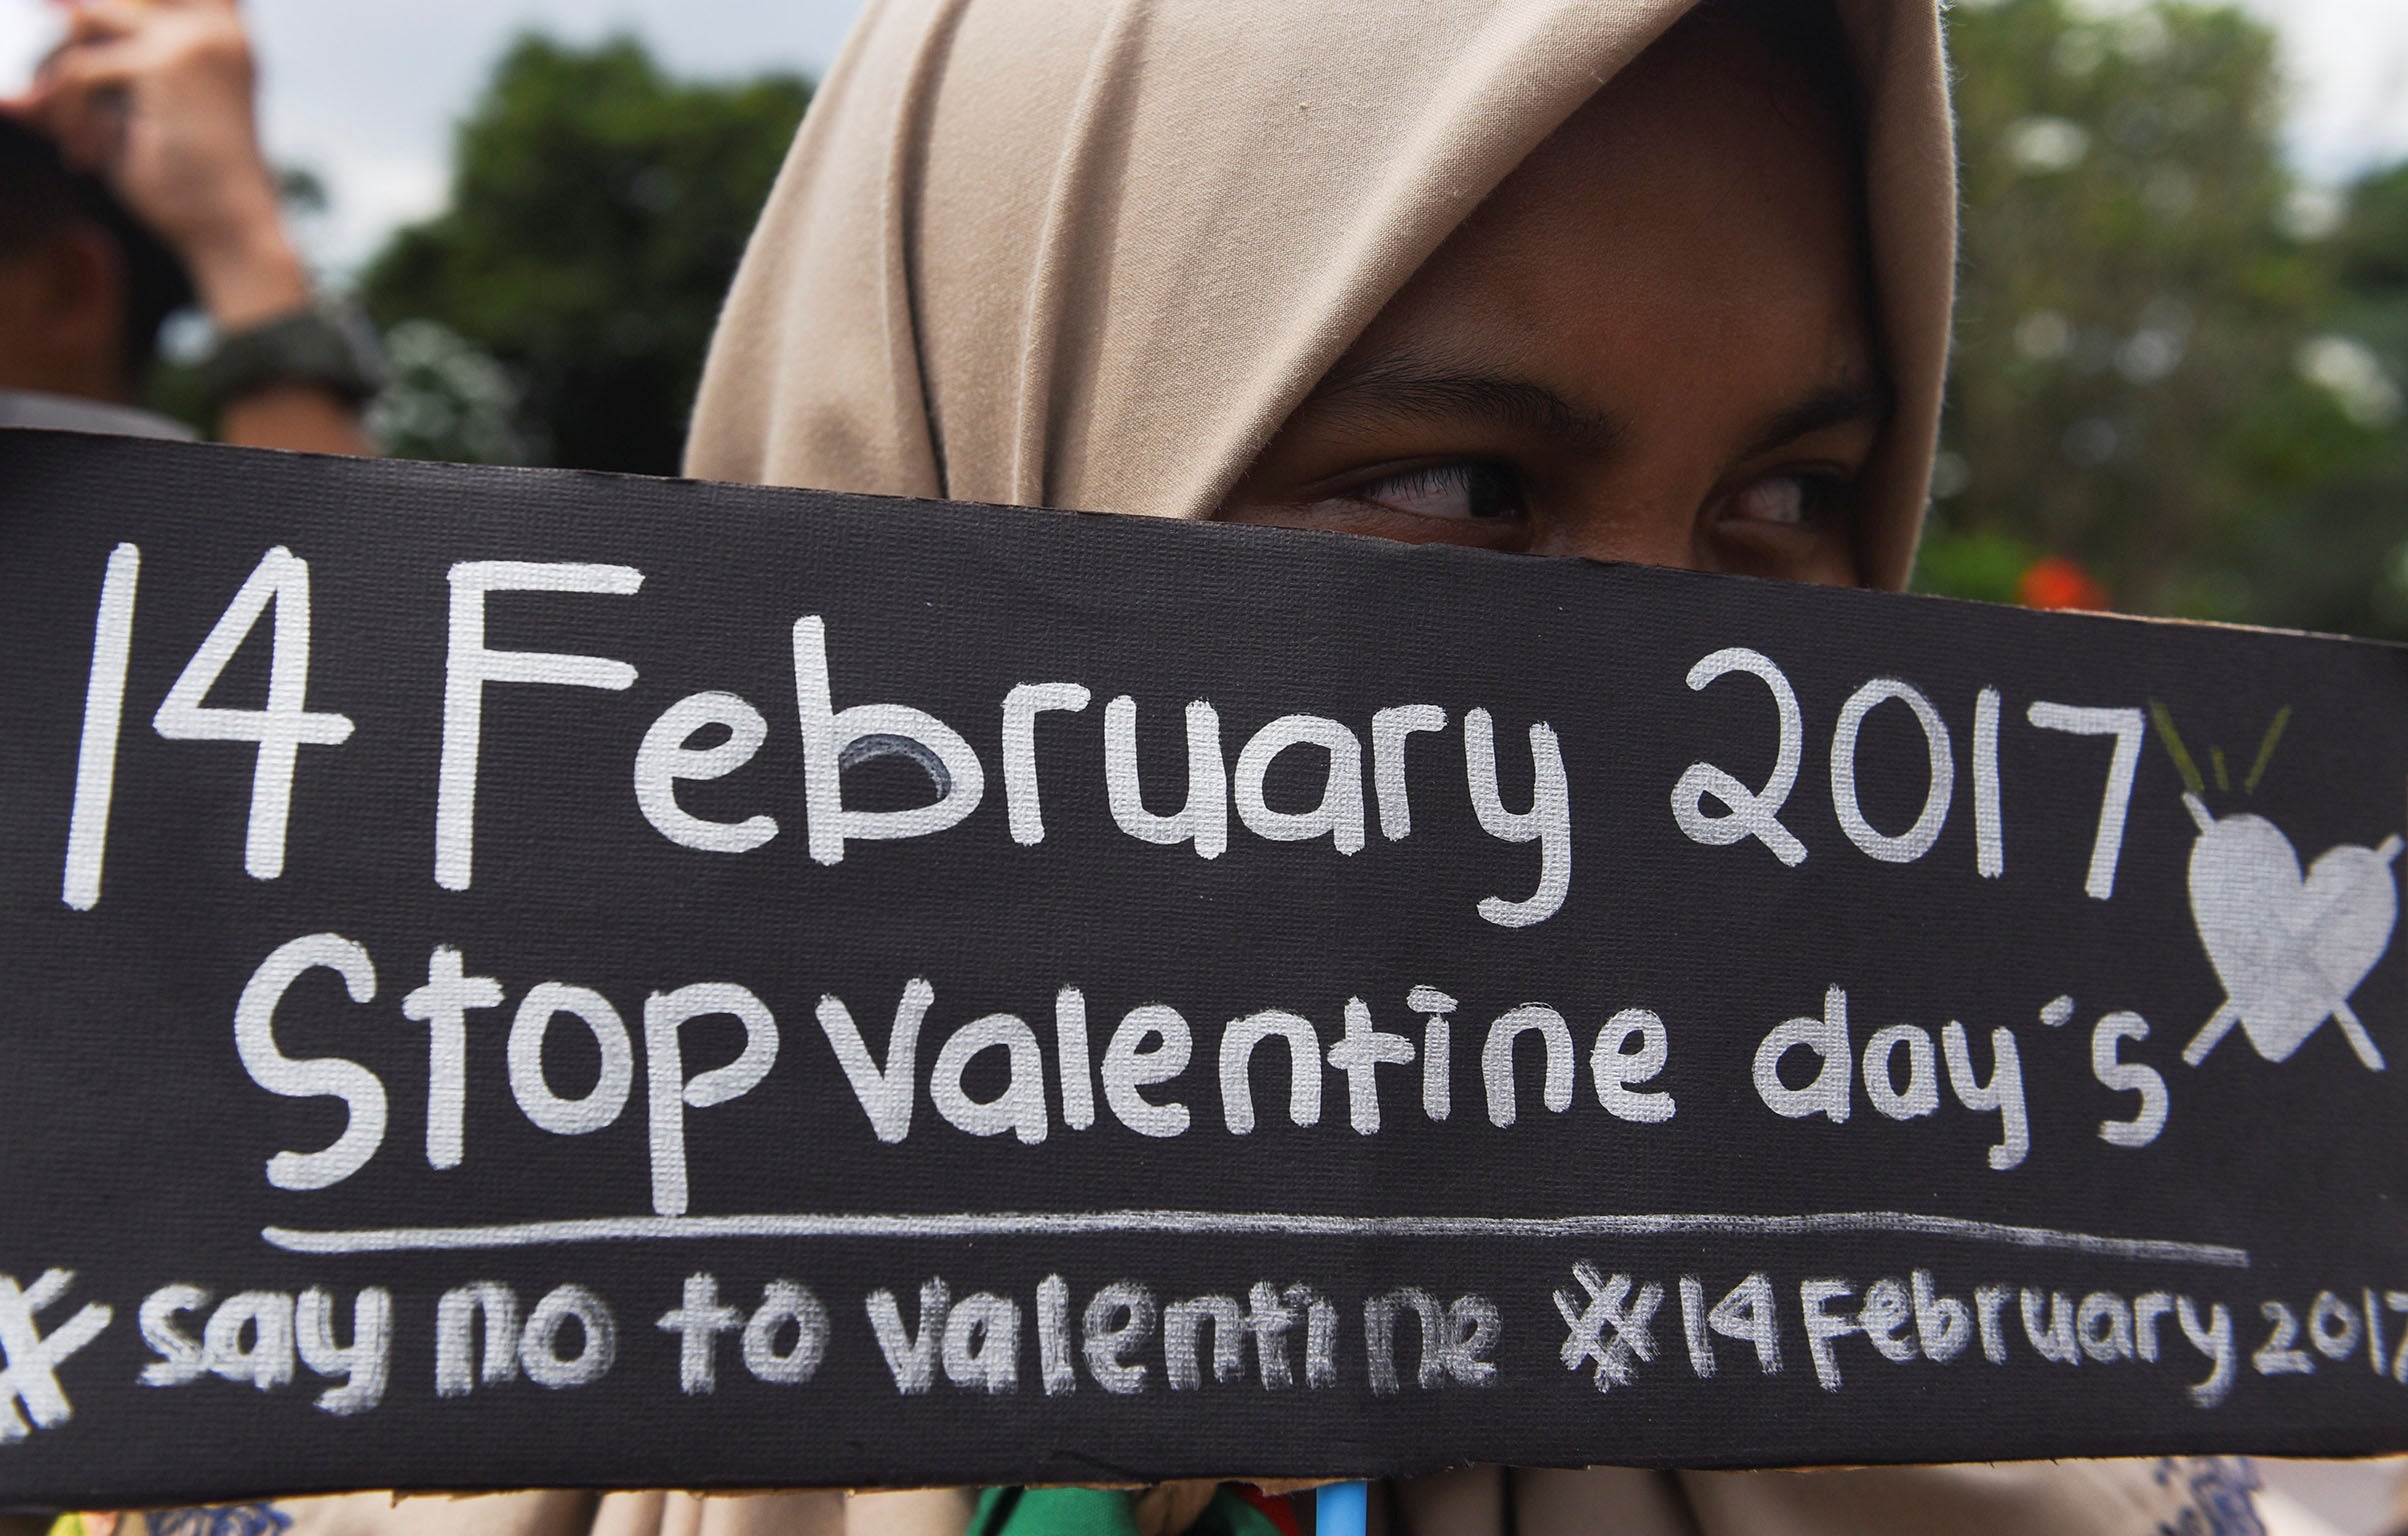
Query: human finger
86	131
104	20
81	105
88	67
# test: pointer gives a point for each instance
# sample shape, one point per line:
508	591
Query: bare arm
159	97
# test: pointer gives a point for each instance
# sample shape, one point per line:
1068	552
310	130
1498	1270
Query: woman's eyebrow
1402	390
1838	405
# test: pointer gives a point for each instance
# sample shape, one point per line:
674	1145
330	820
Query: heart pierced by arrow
2289	948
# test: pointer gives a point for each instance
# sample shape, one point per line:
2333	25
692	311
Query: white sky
365	91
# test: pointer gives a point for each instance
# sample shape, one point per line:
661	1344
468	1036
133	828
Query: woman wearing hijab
1630	279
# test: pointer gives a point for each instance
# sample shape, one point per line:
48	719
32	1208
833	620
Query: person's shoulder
70	413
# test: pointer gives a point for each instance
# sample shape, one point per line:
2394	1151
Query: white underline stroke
628	1229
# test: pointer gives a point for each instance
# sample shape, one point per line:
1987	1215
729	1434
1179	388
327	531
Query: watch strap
326	348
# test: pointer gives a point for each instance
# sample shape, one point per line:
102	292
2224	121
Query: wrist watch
326	346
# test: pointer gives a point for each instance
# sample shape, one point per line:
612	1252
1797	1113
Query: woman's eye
1466	491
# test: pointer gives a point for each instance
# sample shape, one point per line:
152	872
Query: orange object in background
2053	581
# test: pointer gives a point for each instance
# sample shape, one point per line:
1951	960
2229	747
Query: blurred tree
2372	244
2132	299
2177	366
446	399
2337	557
597	212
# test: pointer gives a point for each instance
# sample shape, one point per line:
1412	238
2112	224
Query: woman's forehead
1701	194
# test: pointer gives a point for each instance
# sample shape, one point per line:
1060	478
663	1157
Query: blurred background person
131	184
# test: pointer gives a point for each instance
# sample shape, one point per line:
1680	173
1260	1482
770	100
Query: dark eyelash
1491	490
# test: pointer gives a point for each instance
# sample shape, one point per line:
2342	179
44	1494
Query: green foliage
597	212
446	398
2372	247
2127	292
1986	565
2166	369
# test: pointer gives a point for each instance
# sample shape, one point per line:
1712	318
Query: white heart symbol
2289	950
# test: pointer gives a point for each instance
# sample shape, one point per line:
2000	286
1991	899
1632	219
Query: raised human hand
158	97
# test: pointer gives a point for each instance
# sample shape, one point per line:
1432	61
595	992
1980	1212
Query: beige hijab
1091	253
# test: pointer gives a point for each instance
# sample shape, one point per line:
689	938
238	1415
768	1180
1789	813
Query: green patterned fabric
1100	1512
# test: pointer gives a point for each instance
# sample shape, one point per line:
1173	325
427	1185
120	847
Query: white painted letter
1921	1095
834	739
545	1109
1437	1050
1496	1060
1989	838
1304	1067
1130	1064
442	1006
1359	1053
468	667
1613	1068
982	1343
2213	1340
181	1358
539	1345
1389	728
1822	1327
698	1319
911	1358
782	1302
666	1013
2126	727
1943	1324
665	758
1548	822
2004	1091
361	1091
885	1093
1916	840
1827	1037
1205	818
1020	709
1077	1068
1020	1108
2128	1077
1119	1320
266	1317
1749	812
457	1314
1340	810
366	1365
285	726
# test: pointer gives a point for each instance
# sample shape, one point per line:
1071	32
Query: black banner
535	979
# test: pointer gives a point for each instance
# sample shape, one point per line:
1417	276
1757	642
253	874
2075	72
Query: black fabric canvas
1547	1065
